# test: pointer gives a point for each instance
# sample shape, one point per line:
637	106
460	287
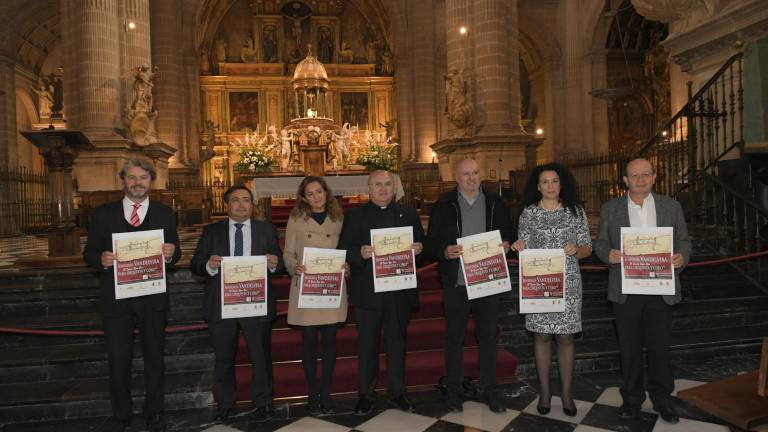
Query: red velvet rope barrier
422	270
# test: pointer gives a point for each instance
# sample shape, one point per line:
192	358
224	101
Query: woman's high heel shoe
570	412
543	410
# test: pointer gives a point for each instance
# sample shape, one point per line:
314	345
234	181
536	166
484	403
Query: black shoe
666	413
403	403
223	414
262	413
364	406
493	402
570	412
315	408
454	404
628	412
156	423
114	425
543	410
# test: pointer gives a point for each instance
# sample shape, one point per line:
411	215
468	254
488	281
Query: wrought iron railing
24	201
707	129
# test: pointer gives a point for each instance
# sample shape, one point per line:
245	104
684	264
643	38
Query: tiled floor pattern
596	414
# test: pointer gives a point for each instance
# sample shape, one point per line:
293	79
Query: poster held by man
484	264
243	286
646	261
394	262
139	264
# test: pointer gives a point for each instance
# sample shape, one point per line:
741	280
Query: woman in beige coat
314	222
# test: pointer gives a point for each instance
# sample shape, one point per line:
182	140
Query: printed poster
243	286
322	282
394	263
139	266
646	261
484	264
542	280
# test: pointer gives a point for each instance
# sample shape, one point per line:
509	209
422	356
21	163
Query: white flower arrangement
254	159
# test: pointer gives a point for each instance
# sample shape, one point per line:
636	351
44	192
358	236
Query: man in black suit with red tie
239	235
135	212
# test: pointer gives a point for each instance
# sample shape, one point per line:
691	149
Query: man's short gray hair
144	164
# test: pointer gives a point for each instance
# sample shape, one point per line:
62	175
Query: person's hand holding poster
394	262
139	264
243	286
323	278
542	280
484	264
646	261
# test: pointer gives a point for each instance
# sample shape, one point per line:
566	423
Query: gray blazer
615	215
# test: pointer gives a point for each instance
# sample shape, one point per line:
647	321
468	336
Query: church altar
341	185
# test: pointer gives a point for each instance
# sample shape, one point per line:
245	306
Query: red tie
135	215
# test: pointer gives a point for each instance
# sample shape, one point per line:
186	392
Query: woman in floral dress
553	219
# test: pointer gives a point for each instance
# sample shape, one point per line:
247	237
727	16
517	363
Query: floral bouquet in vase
378	156
254	159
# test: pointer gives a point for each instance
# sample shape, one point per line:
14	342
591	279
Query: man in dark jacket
467	210
135	212
239	235
374	311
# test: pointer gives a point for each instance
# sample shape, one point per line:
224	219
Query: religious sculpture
387	65
338	152
296	30
220	49
680	14
345	54
389	128
271	143
656	69
371	51
286	149
269	44
458	106
325	45
248	52
205	63
208	140
141	116
45	101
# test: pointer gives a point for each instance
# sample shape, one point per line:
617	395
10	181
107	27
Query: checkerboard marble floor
596	412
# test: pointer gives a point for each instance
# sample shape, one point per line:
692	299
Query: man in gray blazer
643	319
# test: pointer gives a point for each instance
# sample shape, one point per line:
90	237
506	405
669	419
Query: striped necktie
135	215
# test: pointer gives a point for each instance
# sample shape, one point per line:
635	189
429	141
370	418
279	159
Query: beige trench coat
305	232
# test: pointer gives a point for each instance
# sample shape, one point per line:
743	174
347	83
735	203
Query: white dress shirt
128	209
246	243
642	216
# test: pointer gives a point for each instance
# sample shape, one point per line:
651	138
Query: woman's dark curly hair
569	193
332	205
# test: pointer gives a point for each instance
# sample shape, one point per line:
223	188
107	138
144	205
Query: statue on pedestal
458	107
248	53
338	152
387	62
286	149
45	101
269	44
345	54
205	63
220	49
141	116
325	45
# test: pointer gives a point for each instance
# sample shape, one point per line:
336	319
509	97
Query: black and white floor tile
595	414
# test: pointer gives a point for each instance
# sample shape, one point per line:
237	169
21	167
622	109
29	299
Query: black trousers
119	337
645	320
393	319
485	312
309	337
224	338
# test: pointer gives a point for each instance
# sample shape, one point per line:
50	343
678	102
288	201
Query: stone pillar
95	35
404	94
424	103
169	90
8	146
456	44
495	68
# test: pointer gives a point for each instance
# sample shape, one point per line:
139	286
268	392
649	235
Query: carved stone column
8	154
169	90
